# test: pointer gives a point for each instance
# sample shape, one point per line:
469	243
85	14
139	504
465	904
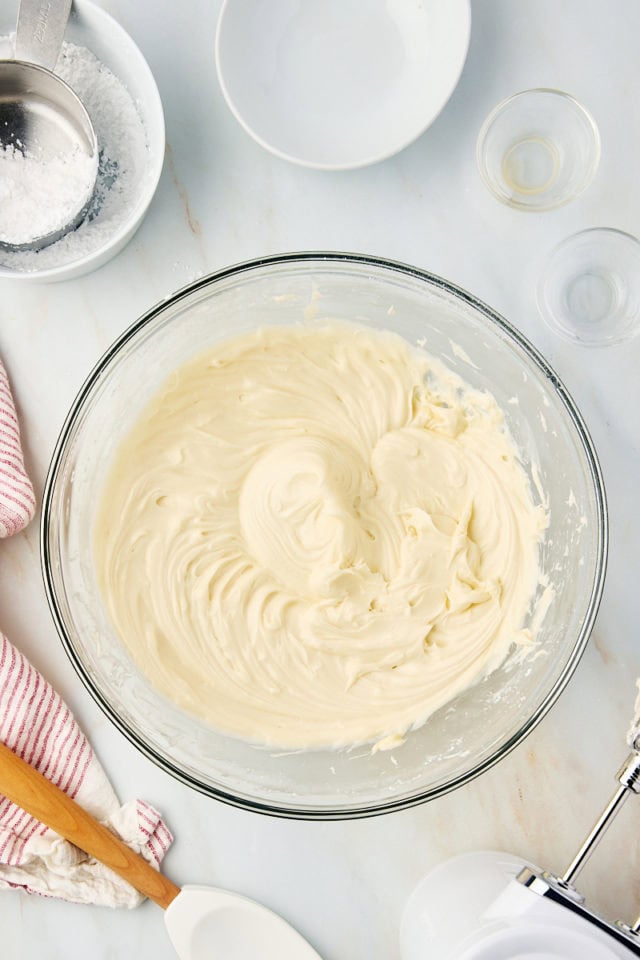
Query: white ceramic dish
340	84
89	26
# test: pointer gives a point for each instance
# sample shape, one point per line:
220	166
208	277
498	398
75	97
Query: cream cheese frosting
317	535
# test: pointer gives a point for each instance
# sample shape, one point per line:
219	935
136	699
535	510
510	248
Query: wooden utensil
202	922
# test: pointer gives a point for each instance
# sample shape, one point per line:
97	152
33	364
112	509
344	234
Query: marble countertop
223	199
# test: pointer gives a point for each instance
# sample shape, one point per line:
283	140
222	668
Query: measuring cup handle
40	30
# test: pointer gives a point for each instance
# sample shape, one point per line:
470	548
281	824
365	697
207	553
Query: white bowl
90	27
342	83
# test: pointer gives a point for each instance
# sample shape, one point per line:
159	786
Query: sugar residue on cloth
123	163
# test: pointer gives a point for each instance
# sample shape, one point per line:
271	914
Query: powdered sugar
39	196
123	164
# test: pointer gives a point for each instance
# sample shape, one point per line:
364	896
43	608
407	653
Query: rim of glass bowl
371	808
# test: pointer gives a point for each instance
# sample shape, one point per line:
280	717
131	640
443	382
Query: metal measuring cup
40	115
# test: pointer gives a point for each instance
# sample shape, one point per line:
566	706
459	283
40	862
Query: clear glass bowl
473	731
589	290
538	150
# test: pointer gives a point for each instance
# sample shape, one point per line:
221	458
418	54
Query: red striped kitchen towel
17	502
37	725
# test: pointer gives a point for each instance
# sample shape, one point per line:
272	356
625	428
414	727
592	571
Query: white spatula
203	923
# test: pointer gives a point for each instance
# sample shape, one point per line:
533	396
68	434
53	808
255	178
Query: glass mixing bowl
477	728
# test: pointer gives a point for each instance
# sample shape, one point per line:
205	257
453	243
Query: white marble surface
223	199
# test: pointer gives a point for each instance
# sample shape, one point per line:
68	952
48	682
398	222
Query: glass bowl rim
367	809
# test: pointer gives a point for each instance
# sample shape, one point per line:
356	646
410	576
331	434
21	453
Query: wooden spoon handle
27	788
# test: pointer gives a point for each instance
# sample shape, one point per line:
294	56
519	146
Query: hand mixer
488	906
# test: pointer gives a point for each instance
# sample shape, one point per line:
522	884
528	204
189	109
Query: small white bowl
90	27
339	84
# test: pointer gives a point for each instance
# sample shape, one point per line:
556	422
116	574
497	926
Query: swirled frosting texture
316	536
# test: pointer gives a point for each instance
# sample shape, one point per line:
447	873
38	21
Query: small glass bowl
538	150
589	291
